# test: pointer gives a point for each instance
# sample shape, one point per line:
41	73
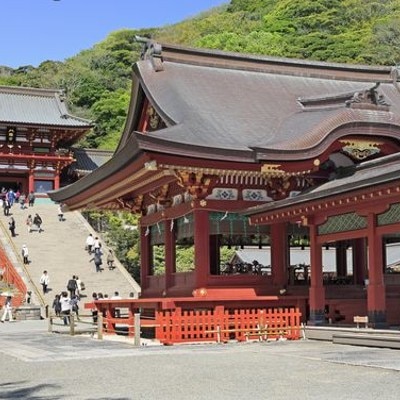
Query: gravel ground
39	365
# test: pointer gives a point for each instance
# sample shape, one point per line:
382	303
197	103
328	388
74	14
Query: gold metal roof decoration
272	170
360	149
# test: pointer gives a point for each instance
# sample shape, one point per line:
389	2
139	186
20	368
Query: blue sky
33	31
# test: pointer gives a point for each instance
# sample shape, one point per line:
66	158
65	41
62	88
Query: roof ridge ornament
151	51
367	98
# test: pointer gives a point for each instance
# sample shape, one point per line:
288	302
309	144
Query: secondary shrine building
36	133
224	149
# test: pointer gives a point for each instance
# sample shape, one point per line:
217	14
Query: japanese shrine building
36	132
224	149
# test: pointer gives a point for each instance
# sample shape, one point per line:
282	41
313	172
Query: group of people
10	197
94	247
35	223
67	301
64	305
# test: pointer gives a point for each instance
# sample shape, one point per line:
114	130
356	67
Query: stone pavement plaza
38	365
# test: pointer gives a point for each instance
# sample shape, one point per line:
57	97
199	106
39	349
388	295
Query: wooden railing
216	324
12	279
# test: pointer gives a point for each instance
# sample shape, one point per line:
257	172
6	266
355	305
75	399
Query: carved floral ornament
361	149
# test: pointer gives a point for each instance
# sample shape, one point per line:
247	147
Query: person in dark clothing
97	261
57	305
6	207
11	226
31	199
37	221
72	286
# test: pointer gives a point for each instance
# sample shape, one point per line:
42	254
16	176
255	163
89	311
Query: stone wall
28	312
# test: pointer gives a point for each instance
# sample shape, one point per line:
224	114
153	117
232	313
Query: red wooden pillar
145	256
341	259
359	260
215	255
170	253
57	182
31	182
279	254
317	290
376	287
201	247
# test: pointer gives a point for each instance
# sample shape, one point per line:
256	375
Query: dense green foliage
97	81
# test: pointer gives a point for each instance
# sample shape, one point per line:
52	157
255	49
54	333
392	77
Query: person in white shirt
60	213
44	281
7	310
65	301
78	286
89	243
25	254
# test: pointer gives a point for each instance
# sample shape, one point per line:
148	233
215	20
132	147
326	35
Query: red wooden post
376	287
170	253
279	254
317	291
360	262
109	316
57	181
145	257
201	247
131	320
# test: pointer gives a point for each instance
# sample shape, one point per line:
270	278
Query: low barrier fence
222	325
11	277
217	324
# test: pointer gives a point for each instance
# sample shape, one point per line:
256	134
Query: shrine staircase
60	249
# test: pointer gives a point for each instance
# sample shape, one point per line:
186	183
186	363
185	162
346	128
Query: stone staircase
60	249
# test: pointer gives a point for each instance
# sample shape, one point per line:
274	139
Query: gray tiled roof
235	109
21	105
88	160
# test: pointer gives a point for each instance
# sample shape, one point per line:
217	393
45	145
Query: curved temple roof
21	105
259	106
244	108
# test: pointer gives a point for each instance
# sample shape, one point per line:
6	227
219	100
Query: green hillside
97	81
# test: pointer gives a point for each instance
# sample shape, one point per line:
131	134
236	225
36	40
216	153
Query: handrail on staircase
11	267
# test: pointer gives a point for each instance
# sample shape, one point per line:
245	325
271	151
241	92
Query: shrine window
43	186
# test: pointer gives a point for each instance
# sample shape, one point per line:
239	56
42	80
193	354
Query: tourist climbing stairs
59	249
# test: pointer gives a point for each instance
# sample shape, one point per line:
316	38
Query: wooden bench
360	320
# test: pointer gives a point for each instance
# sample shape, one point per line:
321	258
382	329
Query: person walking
37	220
97	245
22	200
60	213
6	207
72	286
110	260
78	286
97	261
75	306
7	310
57	305
29	222
11	226
31	199
65	307
25	254
44	281
89	243
94	310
